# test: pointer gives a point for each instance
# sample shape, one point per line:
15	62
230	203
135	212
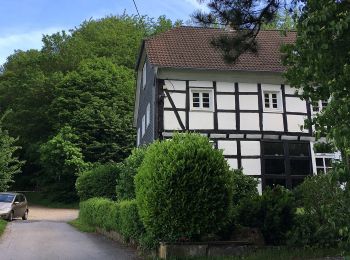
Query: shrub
323	217
130	224
272	213
98	182
125	187
183	188
100	212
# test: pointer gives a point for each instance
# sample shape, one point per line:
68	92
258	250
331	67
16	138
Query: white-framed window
148	115
143	125
317	106
202	99
138	136
324	161
272	101
144	75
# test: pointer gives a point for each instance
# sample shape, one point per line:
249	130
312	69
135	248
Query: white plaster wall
294	123
228	147
226	121
270	87
201	120
250	148
225	86
295	104
178	98
201	84
175	84
170	120
259	187
232	163
292	91
251	166
248	102
248	87
273	122
249	121
226	101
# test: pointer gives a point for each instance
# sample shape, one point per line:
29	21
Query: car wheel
25	216
10	218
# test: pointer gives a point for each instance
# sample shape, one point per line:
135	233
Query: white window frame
201	91
143	126
279	101
148	115
324	156
320	106
144	75
138	136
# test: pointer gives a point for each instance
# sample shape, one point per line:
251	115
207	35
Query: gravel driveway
46	235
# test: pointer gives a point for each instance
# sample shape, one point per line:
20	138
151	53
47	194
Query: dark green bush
130	224
125	187
322	218
121	217
273	213
183	188
98	182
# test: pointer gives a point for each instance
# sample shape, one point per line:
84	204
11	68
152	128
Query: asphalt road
55	239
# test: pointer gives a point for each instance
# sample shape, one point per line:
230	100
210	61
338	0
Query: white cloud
197	5
23	41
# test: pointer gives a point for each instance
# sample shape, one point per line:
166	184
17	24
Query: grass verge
81	226
3	224
38	199
282	253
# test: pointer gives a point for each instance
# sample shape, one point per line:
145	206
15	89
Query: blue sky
23	22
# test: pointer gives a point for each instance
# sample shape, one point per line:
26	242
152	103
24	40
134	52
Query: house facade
246	108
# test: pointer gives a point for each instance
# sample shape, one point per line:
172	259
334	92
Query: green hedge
98	182
121	217
183	188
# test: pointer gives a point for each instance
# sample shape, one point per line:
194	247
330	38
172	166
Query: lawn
281	253
81	226
3	224
38	199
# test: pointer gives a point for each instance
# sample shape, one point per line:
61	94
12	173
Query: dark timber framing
215	107
261	110
188	105
238	117
159	109
285	121
174	109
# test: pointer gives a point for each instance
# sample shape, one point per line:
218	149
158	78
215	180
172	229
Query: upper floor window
202	99
148	115
144	75
272	101
317	106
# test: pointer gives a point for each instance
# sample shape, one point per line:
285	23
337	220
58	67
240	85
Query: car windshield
6	198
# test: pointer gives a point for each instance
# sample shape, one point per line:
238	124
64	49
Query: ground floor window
285	163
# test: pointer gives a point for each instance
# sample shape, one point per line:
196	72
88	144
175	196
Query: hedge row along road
46	235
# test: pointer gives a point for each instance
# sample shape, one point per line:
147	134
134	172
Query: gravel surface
46	235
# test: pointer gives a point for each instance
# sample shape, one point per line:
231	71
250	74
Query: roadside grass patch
3	224
81	226
39	199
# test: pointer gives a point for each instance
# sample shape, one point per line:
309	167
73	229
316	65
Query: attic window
144	75
202	99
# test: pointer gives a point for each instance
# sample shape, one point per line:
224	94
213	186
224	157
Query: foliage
62	162
325	223
319	64
97	101
183	188
31	84
9	163
272	213
321	147
125	187
98	182
121	217
3	225
244	187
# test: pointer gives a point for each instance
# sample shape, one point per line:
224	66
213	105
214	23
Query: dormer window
202	99
272	101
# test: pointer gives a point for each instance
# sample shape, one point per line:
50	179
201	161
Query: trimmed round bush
183	188
125	187
98	182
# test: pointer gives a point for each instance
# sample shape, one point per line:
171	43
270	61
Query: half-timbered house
246	108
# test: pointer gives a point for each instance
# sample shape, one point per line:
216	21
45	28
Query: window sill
193	109
277	111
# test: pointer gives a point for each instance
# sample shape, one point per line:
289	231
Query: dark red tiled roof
191	48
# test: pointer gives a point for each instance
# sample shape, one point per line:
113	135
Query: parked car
13	205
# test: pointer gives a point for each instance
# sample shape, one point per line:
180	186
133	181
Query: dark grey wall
147	96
